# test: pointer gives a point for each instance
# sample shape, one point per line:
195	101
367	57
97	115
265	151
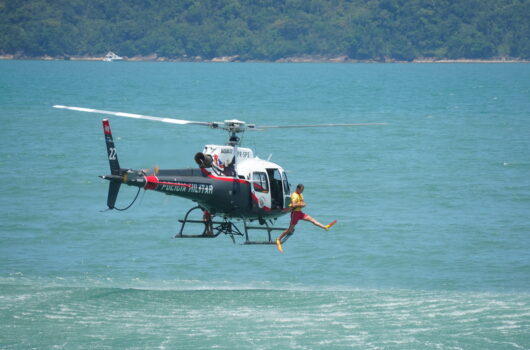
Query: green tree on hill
268	29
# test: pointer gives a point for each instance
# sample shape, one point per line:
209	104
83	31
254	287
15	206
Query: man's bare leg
316	223
289	231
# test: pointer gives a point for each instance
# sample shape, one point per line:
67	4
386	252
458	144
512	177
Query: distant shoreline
295	59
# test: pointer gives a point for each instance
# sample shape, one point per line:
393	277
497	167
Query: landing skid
262	227
227	227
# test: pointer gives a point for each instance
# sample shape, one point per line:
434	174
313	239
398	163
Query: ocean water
431	248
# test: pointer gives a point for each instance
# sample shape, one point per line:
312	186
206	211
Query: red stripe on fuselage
151	183
257	201
175	184
230	179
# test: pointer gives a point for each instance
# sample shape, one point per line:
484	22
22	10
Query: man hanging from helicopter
297	203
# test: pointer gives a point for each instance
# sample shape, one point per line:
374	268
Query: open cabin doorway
276	189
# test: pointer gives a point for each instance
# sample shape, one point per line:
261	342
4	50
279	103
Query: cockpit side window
259	181
286	189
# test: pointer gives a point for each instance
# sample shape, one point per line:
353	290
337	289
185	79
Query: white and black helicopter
230	182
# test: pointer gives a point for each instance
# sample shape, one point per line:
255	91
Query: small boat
111	56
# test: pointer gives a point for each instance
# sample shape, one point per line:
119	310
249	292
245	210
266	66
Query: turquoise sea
431	249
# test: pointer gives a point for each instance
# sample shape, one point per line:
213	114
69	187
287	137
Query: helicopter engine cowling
203	160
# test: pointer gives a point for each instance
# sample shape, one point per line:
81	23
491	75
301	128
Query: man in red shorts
297	203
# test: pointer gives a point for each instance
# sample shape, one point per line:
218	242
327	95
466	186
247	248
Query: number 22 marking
112	153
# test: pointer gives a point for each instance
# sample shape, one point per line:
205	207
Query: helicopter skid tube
227	227
197	236
202	235
263	227
259	242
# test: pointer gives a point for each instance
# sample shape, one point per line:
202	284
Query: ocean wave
233	317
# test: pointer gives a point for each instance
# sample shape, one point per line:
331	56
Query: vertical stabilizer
111	149
114	188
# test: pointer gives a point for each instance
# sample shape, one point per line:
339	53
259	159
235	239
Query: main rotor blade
315	125
134	116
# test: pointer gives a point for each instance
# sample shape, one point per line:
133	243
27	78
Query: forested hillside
268	29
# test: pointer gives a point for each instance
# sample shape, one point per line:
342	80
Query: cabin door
261	189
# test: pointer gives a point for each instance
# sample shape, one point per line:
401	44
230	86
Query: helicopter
229	182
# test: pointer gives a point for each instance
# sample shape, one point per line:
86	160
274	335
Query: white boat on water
111	56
